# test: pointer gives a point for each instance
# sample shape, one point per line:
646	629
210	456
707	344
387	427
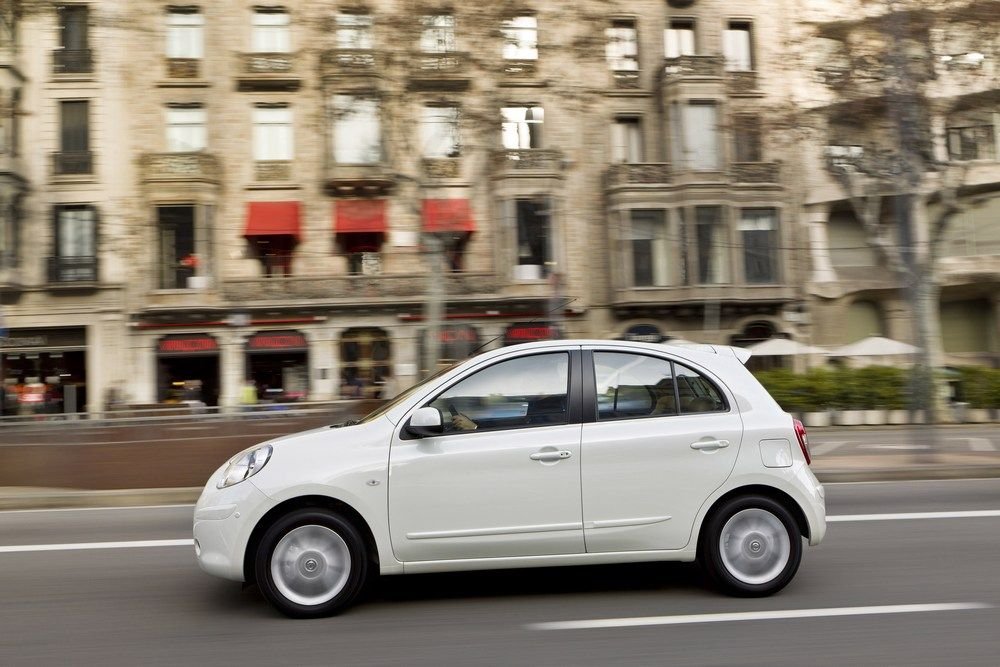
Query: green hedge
980	386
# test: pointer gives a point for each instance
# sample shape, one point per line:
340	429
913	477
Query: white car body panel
493	507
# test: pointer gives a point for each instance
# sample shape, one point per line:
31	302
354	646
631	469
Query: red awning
273	218
448	215
366	216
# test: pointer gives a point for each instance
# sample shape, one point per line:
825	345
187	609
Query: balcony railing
267	171
445	167
351	62
72	61
440	71
755	172
357	178
183	68
268	71
641	173
528	160
180	167
741	83
626	78
692	66
62	270
73	163
353	287
514	69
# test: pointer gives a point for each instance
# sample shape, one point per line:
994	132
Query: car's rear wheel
311	562
751	546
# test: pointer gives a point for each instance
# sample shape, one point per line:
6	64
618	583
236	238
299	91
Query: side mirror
425	422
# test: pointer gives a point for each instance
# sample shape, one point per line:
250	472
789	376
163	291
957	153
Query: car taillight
800	433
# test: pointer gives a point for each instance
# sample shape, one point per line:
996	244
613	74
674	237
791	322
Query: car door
511	487
659	437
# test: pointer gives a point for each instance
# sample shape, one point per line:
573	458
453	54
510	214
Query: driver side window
527	391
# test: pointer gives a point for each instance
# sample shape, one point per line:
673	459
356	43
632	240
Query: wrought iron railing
73	163
72	61
71	269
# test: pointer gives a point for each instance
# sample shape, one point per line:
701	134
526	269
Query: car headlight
244	465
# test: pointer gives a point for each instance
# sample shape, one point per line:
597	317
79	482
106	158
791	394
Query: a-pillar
817	216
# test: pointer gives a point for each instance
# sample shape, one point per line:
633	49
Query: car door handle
551	456
709	445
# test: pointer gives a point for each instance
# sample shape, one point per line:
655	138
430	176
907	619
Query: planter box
849	417
897	417
817	419
875	417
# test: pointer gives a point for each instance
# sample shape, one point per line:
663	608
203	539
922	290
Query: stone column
323	382
817	216
232	365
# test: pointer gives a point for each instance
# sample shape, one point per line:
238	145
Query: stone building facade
209	192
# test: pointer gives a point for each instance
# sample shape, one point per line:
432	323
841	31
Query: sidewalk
867	468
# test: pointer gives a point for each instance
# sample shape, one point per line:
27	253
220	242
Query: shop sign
187	345
456	342
277	340
525	332
643	333
42	338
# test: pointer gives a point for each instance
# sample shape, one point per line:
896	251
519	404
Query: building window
76	244
534	238
678	38
695	132
746	138
357	130
622	48
439	132
9	228
648	239
275	253
178	259
184	34
272	134
626	140
271	31
737	47
758	232
365	362
438	35
74	55
976	142
522	127
354	32
186	131
74	155
520	38
713	262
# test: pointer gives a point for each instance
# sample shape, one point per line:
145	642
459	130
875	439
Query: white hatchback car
544	454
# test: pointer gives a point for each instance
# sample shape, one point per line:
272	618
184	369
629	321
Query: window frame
774	255
671	36
173	127
359	28
622	55
732	61
625	128
182	35
263	33
532	129
513	36
340	114
445	118
273	138
438	34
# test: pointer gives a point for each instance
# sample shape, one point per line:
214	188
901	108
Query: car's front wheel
752	546
310	563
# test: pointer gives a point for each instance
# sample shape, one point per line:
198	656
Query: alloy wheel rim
310	565
755	546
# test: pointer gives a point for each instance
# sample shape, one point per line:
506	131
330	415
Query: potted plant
979	391
819	388
885	391
850	397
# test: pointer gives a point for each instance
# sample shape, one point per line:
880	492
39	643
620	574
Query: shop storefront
188	368
365	363
44	371
529	332
278	365
457	342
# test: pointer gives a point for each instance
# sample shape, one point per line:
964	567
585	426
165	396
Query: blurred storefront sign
278	365
457	343
187	345
526	332
188	369
277	340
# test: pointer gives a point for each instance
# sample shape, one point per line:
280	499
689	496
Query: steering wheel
448	403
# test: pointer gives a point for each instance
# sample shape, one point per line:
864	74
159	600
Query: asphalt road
151	604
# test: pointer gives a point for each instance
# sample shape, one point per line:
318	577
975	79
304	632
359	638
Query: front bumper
223	521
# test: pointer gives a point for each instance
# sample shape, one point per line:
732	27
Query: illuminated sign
187	345
530	331
277	340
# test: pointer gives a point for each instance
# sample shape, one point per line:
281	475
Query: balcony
626	79
340	63
180	167
444	168
688	295
741	83
359	179
183	68
354	288
73	163
70	271
514	70
527	162
440	71
72	61
272	171
692	67
755	172
268	72
640	175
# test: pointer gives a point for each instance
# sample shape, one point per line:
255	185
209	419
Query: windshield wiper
349	422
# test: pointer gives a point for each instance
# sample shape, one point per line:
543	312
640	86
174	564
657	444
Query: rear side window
631	386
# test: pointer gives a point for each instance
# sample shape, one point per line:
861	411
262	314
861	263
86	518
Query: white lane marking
755	616
981	445
970	514
960	480
190	428
79	546
825	447
906	447
99	509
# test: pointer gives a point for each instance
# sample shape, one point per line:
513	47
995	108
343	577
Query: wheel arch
304	502
775	494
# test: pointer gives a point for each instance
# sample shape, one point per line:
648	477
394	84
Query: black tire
312	567
754	565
